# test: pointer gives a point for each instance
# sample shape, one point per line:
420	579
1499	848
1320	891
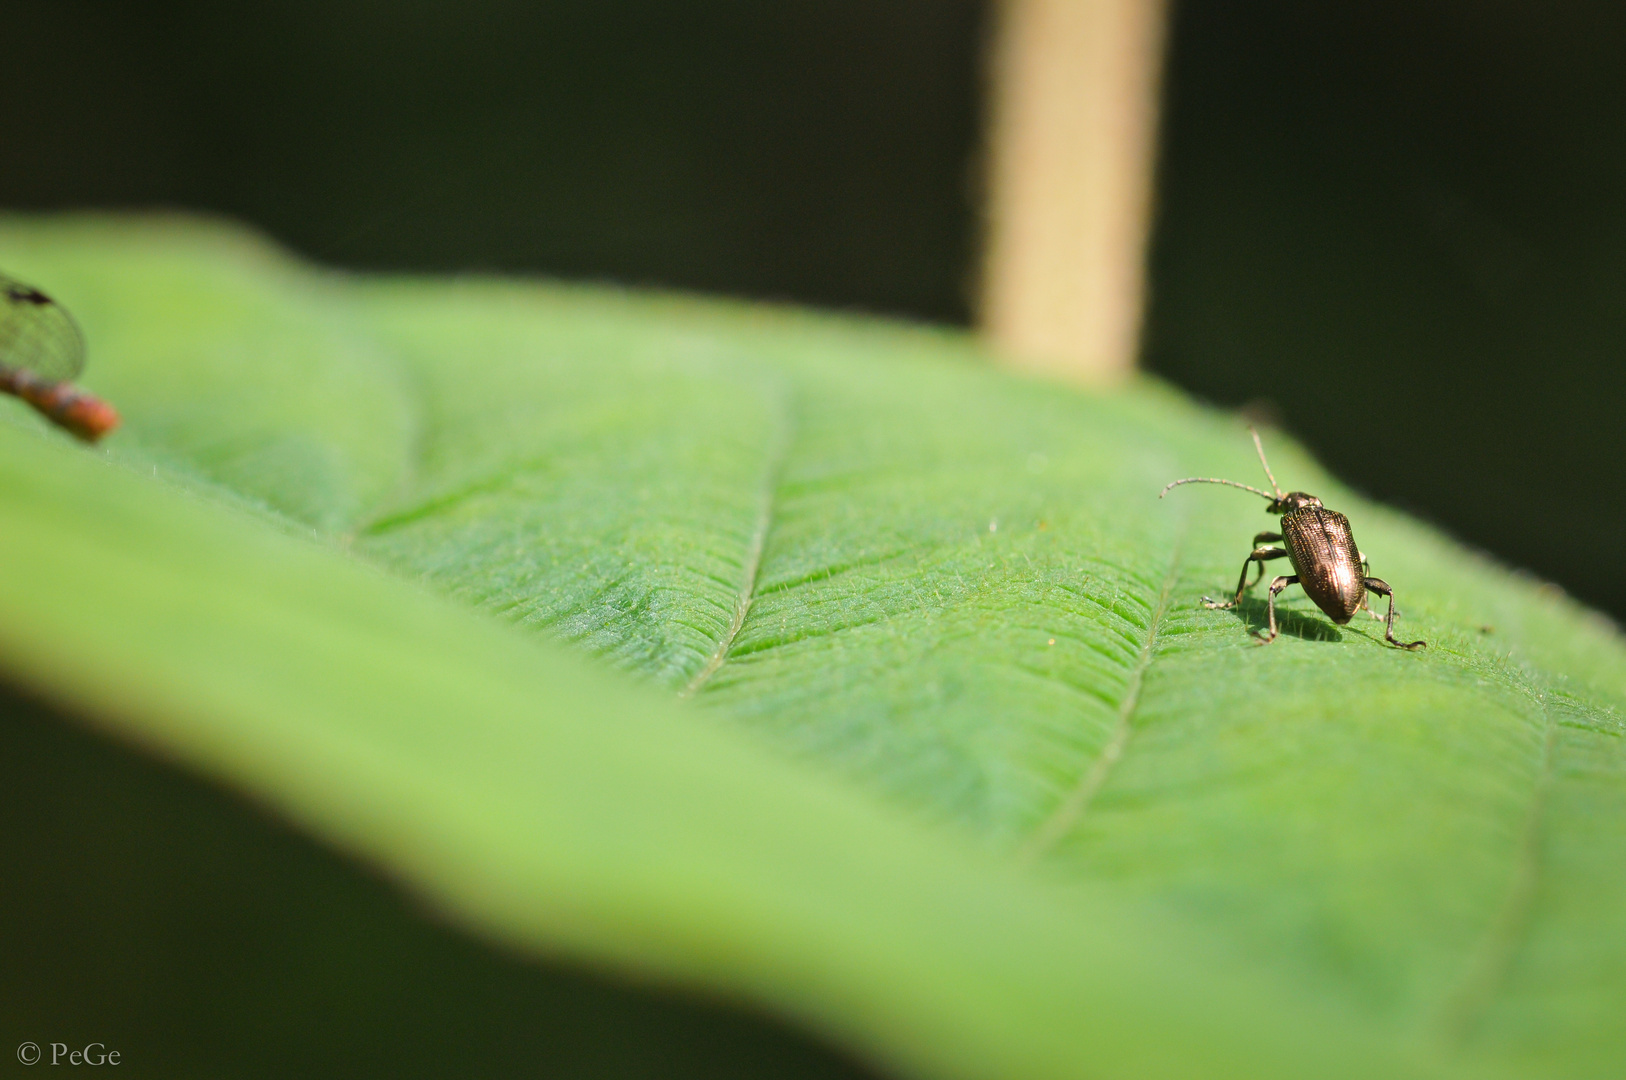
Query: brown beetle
1326	561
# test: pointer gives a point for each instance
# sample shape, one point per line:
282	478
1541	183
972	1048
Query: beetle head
1293	500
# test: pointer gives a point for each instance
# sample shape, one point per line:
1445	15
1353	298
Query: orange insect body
64	404
41	353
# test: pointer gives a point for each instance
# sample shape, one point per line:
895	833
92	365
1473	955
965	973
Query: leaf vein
1073	808
778	451
1492	956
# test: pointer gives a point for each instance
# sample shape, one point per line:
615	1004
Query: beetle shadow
1255	614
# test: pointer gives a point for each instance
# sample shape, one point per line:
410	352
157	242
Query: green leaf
905	721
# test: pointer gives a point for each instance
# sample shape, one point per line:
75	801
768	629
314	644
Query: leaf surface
815	661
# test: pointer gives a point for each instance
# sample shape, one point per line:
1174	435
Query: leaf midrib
1487	963
778	451
1071	810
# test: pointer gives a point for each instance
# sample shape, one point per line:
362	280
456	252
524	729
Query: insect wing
37	335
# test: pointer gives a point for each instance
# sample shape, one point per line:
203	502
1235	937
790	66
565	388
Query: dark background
819	150
1402	224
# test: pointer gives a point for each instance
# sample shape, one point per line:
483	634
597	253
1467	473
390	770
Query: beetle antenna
1259	446
1215	480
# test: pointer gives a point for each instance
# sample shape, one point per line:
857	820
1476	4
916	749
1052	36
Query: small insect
1326	561
41	353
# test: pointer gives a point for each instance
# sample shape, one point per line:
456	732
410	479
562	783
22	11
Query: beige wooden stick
1071	145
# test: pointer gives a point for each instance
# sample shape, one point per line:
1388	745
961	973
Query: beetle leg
1381	587
1263	538
1270	604
1260	556
1366	599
